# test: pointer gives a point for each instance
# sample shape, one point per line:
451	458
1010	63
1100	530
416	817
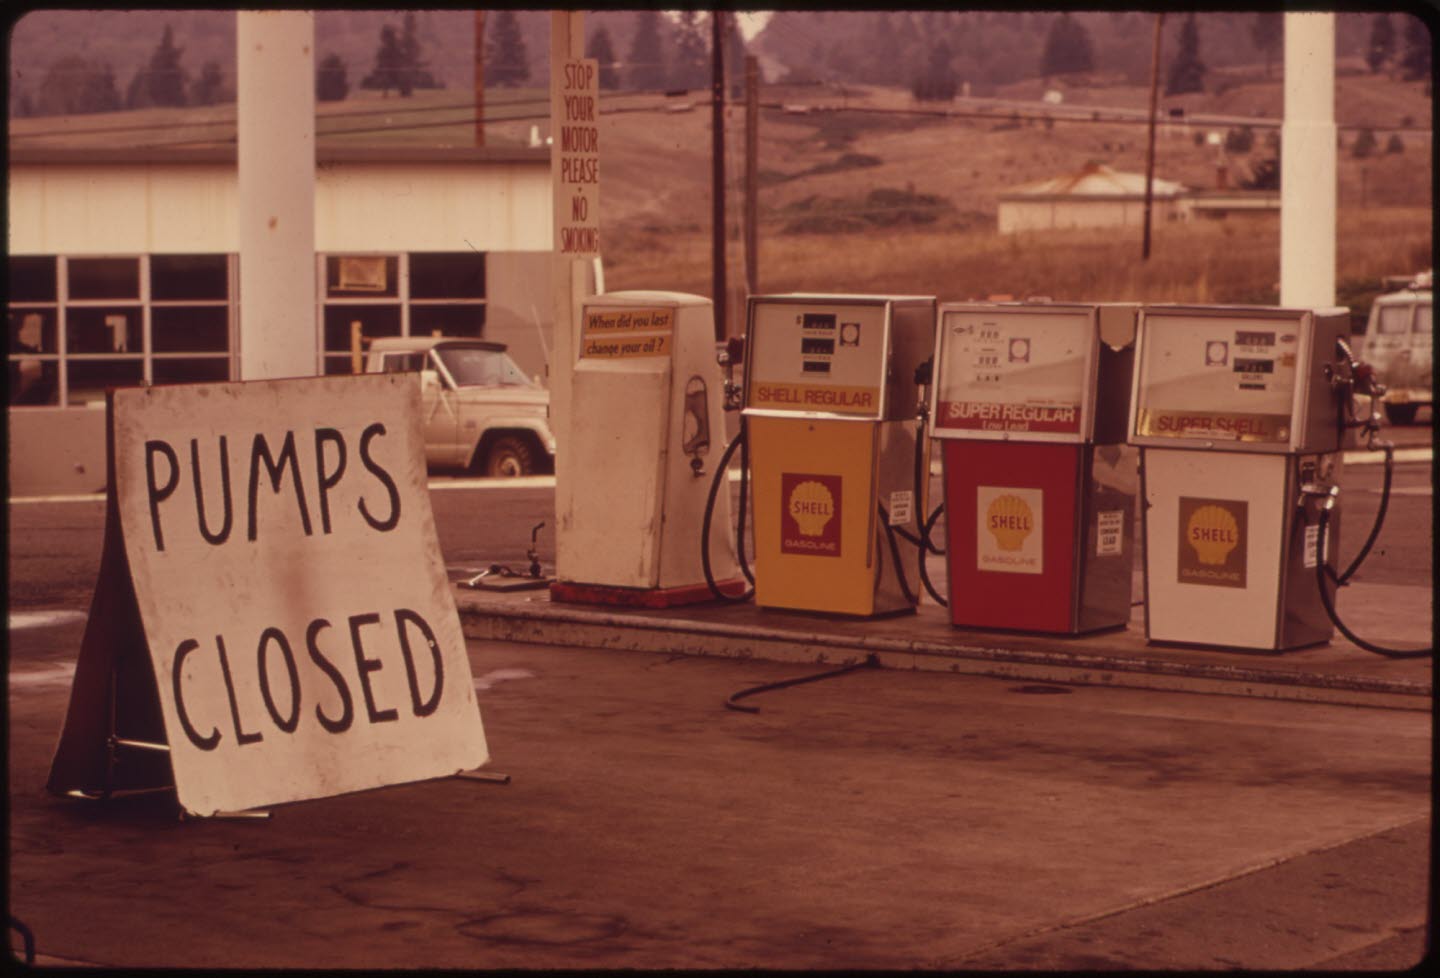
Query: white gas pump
646	431
1234	412
1030	401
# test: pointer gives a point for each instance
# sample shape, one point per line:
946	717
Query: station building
123	270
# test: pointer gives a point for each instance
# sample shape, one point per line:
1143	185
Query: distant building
1095	196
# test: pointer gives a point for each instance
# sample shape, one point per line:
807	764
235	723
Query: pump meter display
1004	372
813	357
1248	378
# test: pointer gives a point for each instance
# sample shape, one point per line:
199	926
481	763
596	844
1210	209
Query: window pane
190	329
103	330
34	381
449	275
339	365
90	378
198	370
188	277
104	278
374	321
32	278
1394	319
361	276
1424	322
466	321
32	331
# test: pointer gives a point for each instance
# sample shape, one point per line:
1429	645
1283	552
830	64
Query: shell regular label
1213	541
810	514
1010	530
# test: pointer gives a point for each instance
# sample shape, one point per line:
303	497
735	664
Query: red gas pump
1030	402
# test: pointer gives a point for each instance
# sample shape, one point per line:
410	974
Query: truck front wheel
508	456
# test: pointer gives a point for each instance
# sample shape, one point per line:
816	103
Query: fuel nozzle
731	353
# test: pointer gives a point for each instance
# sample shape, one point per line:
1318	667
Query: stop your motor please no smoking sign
271	552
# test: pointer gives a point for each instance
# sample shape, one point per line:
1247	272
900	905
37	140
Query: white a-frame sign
272	620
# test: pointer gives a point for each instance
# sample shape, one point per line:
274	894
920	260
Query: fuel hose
869	662
1325	578
722	474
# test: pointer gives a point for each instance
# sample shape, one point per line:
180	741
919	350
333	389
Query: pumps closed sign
290	590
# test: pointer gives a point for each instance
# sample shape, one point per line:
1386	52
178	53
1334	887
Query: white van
1399	344
481	412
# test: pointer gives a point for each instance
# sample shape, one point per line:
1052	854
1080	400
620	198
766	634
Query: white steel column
1308	194
275	136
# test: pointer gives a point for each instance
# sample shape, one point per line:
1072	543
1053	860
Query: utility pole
752	174
1150	152
717	173
479	78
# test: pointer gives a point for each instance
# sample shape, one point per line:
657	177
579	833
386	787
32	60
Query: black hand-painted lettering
241	737
423	708
260	452
275	635
328	480
159	494
224	533
209	741
367	666
347	711
379	472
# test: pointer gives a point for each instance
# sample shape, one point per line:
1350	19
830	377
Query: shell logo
1212	533
812	507
1010	520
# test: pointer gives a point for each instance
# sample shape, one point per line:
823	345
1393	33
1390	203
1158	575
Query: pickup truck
482	414
1399	344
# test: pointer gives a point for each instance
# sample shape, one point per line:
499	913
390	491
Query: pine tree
937	83
734	57
507	63
1187	71
209	88
646	64
1268	33
331	85
389	62
73	85
1415	59
1067	48
162	80
1382	42
600	49
691	68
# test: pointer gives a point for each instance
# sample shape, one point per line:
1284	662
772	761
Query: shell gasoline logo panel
1010	530
810	514
1213	541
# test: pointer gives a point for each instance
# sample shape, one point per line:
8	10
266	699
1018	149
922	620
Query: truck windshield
482	368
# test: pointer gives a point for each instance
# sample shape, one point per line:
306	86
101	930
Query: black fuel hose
895	556
1321	545
722	475
1344	578
869	662
925	536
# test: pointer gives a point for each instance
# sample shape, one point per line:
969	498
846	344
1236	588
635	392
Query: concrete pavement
982	801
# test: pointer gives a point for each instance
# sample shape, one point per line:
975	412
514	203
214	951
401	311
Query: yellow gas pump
1234	411
831	412
646	426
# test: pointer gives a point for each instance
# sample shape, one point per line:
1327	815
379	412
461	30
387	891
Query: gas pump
831	417
1030	401
646	426
1234	411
